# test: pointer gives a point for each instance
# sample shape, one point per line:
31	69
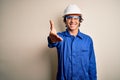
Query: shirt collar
78	35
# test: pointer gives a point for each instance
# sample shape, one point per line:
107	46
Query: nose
72	19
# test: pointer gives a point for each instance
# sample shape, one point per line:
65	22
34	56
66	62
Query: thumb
51	25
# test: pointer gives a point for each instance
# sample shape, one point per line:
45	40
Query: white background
24	27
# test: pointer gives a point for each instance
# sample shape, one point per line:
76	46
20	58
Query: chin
73	27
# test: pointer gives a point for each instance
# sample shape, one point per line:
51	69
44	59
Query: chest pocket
84	51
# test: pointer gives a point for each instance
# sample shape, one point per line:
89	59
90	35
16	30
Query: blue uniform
76	58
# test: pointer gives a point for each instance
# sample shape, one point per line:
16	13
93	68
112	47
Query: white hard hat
72	9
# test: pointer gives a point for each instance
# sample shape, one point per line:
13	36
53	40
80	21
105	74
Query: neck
73	32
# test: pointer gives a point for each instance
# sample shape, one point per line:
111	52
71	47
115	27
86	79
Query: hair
80	20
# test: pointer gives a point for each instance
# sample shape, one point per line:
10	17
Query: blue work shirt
76	58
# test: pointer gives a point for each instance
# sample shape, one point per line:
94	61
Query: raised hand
53	35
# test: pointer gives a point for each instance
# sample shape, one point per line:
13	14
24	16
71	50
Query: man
76	58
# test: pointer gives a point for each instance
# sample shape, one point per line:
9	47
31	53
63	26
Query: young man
76	58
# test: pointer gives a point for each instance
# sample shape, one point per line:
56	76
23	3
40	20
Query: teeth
72	24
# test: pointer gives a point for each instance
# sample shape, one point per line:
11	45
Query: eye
72	17
76	17
69	17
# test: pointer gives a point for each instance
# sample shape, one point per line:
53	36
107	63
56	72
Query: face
72	22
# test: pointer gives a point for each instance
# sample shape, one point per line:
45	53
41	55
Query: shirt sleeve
92	65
